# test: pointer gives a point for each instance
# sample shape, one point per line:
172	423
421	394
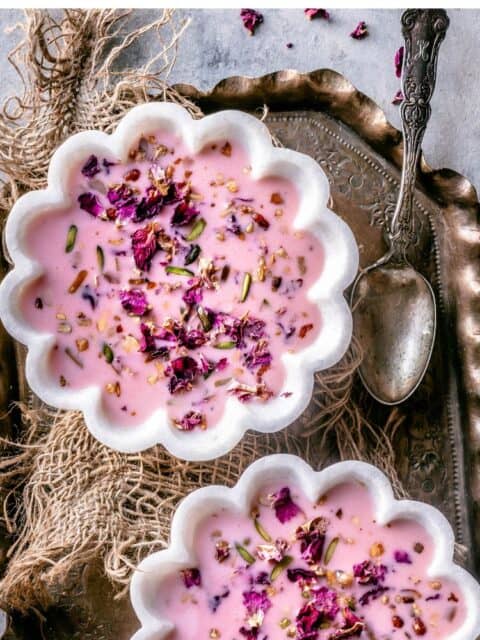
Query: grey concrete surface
216	45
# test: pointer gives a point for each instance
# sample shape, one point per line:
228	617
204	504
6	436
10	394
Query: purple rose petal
369	573
285	508
251	19
134	301
144	246
403	557
88	202
398	97
184	214
91	168
360	31
316	13
190	420
325	601
191	577
254	602
398	61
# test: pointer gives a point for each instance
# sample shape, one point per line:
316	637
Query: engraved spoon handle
423	31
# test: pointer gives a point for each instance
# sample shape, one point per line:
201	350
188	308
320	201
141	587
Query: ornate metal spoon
394	308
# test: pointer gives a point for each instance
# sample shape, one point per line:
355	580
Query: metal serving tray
438	442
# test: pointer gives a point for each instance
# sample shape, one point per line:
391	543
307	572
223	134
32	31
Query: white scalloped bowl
340	266
284	469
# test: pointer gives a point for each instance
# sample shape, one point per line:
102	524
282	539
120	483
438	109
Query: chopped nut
419	627
284	622
397	622
82	344
278	213
214	633
276	198
226	150
232	186
436	585
64	327
376	550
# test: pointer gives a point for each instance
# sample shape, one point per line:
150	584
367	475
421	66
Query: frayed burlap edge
66	498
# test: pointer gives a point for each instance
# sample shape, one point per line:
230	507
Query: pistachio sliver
179	271
192	254
204	318
100	258
108	353
280	566
247	281
226	344
245	554
261	531
197	229
71	238
331	549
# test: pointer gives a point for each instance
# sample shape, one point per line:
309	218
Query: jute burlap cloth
67	500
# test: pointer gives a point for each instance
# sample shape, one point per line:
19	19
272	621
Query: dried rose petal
144	246
305	575
90	295
372	594
246	393
403	557
249	634
325	601
190	420
369	573
107	164
91	168
316	13
285	508
149	206
134	301
360	31
222	550
398	97
398	60
88	202
312	539
216	601
254	328
232	225
183	371
251	19
184	214
254	601
307	622
191	577
124	201
194	294
148	344
258	356
268	552
192	339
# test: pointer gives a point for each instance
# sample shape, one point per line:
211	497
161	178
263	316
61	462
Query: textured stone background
216	45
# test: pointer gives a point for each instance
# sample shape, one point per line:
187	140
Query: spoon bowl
394	318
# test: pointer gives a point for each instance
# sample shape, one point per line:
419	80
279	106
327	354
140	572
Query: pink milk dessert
174	280
322	571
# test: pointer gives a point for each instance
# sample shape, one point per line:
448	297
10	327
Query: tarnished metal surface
438	444
394	307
